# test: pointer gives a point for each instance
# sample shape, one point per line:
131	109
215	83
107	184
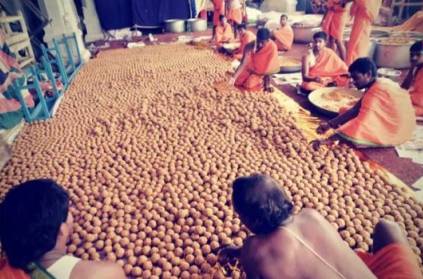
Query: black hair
417	47
284	15
261	203
241	26
30	219
364	65
263	34
320	35
221	17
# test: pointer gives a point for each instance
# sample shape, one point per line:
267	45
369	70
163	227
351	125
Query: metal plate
330	100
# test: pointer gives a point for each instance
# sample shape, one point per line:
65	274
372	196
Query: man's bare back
283	255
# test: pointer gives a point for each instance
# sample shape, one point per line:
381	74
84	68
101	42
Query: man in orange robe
260	59
246	37
283	36
414	79
383	117
322	67
364	12
224	32
234	11
334	23
218	10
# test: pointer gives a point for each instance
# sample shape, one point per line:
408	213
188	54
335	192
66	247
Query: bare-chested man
306	245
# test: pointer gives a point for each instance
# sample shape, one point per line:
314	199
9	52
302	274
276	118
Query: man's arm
305	69
406	84
247	49
249	265
346	116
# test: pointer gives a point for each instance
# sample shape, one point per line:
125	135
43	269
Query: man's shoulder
311	214
330	52
386	86
91	269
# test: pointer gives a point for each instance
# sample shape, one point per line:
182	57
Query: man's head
241	28
416	53
261	203
363	72
222	20
319	40
34	218
283	20
263	35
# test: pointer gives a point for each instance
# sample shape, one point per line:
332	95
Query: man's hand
318	79
315	144
232	81
228	255
323	127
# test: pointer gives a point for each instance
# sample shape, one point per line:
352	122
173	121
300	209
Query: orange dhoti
365	12
416	93
8	272
246	38
386	117
256	65
335	20
284	37
330	68
393	261
359	42
219	9
235	15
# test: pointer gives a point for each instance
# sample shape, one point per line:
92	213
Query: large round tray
320	99
286	67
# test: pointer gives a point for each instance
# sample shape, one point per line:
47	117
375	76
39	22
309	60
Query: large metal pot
175	25
196	25
372	49
303	34
395	56
374	34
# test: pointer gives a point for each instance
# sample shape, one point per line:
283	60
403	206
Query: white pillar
92	22
64	20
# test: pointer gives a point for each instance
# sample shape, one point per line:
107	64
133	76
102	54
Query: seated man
383	117
306	245
283	36
246	37
322	67
35	225
224	32
259	61
334	23
414	79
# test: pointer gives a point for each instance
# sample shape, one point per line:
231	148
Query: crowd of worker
385	115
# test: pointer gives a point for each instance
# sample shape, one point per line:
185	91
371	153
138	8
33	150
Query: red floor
404	169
